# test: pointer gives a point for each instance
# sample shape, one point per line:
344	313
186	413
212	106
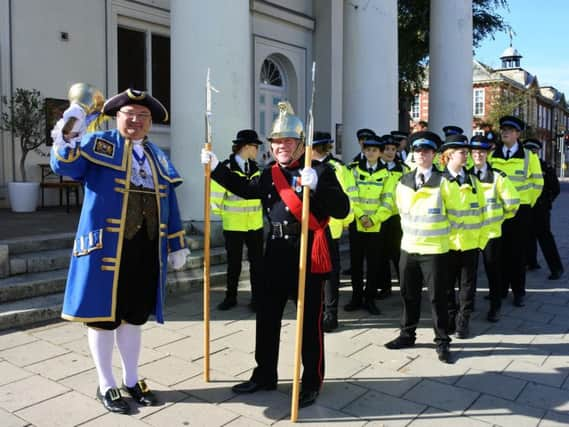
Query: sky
541	36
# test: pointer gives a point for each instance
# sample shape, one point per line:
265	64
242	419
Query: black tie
459	179
421	180
479	174
508	152
246	168
370	170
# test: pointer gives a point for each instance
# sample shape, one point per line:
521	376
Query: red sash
320	255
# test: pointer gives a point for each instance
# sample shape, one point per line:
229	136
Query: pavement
513	373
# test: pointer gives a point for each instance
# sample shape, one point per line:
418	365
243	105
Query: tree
510	101
414	21
25	118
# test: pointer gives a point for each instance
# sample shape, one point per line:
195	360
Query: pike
207	224
303	255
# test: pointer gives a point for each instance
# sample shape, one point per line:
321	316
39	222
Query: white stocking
129	341
101	344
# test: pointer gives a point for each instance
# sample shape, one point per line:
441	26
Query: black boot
227	303
462	327
330	322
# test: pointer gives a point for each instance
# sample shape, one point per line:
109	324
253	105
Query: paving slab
170	370
191	412
63	366
385	380
436	418
8	419
11	338
541	396
554	419
504	413
443	396
27	392
10	373
492	384
545	374
69	409
32	352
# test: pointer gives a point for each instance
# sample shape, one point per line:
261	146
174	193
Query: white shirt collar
426	173
240	162
513	150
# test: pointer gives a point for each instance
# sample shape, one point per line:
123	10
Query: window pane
161	70
131	59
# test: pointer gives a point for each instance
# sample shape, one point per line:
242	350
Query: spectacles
130	115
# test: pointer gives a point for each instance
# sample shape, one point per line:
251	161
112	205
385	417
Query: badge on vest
104	147
519	172
434	211
474	205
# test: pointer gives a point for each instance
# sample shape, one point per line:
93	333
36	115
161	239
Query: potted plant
24	117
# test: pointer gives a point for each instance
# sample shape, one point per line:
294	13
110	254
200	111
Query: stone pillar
370	86
214	34
450	65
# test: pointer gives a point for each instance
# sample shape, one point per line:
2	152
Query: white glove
74	111
309	178
209	157
177	259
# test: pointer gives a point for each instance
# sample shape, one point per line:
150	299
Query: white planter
23	196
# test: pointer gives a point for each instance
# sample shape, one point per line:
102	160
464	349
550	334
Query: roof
510	52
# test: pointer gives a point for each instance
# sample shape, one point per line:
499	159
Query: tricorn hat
247	136
137	97
424	139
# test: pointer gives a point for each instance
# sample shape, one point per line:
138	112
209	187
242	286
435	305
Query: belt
284	230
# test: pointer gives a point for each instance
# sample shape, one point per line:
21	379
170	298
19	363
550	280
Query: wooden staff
207	227
303	256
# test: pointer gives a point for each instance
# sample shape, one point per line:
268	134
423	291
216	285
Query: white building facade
259	52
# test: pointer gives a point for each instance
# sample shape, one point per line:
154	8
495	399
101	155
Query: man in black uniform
280	189
541	219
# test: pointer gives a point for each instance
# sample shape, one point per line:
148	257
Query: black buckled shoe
399	343
141	394
307	398
371	307
443	352
227	303
251	387
113	401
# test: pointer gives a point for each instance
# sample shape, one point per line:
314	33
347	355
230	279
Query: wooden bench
61	184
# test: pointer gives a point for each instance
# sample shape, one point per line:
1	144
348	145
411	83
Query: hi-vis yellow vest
502	200
346	180
524	170
465	212
424	221
237	214
395	175
368	200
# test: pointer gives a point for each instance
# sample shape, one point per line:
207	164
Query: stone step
48	307
34	284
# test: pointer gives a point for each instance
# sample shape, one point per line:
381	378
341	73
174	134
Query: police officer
390	233
401	138
370	211
321	151
425	245
465	212
501	202
523	168
280	189
541	218
242	219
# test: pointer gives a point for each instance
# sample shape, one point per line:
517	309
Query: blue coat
102	163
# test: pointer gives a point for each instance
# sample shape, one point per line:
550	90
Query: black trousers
390	236
515	235
541	232
234	241
280	285
366	247
463	267
332	285
492	257
424	270
138	281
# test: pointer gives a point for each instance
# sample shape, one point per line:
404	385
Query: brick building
511	89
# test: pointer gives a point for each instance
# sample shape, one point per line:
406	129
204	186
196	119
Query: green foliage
24	117
414	22
511	102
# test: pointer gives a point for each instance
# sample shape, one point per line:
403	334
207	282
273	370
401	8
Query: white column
370	88
450	64
214	34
